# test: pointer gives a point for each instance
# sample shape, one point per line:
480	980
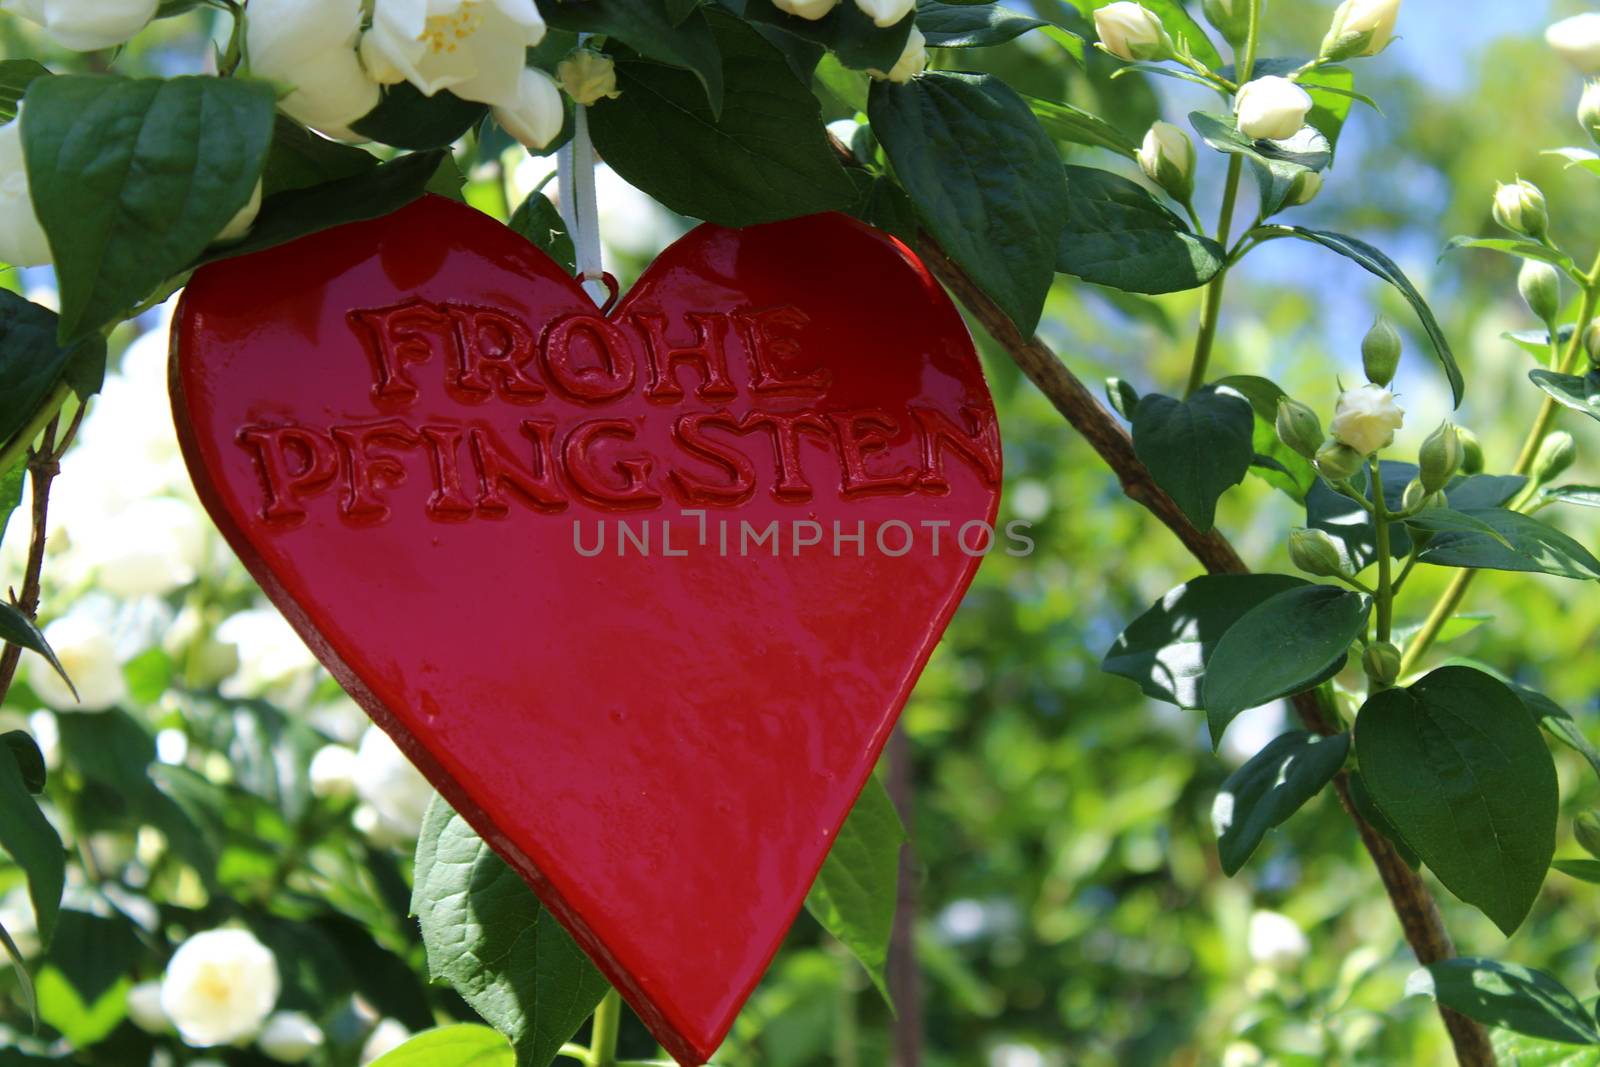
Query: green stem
1211	309
1380	520
1456	591
607	1023
1247	62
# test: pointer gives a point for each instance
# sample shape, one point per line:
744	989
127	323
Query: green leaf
17	629
31	362
1348	523
1510	246
1118	234
1288	470
299	159
970	25
984	177
489	937
83	980
846	31
406	118
32	843
647	27
1587	158
15	77
854	896
1274	784
1537	342
1196	449
1285	645
1454	627
11	489
1165	650
538	220
1483	490
766	159
1516	1050
30	761
1578	393
461	1045
19	966
1377	263
1329	88
1276	164
1445	520
296	213
1585	869
1185	31
1462	772
1556	719
1583	496
1367	808
1513	997
133	178
1073	125
1524	544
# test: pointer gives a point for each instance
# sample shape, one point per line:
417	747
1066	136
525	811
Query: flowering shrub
211	857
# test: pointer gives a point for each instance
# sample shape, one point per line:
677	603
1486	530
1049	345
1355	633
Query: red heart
397	425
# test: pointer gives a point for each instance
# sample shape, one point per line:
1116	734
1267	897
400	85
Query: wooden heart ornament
641	592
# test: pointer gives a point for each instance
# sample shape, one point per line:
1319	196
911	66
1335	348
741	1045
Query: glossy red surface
663	745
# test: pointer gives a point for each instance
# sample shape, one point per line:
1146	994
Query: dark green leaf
538	220
17	629
1286	645
1367	808
32	843
647	27
1462	772
984	177
854	896
678	10
1118	234
1122	396
1446	520
132	179
1578	393
15	77
970	25
30	761
489	937
1585	870
1276	164
766	159
1514	998
1274	784
30	999
1554	718
1285	469
461	1045
298	212
846	31
299	159
1483	490
1196	448
1524	544
1165	650
31	363
1584	496
1073	125
406	118
1377	263
1350	524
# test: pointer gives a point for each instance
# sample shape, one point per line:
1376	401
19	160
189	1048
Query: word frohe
567	427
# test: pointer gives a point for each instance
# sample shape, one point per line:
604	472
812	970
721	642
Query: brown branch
1413	904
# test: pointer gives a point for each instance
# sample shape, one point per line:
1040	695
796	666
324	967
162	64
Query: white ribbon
579	210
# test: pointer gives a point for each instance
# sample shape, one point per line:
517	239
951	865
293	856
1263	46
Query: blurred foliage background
1072	907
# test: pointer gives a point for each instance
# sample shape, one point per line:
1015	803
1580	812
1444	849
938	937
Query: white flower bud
220	987
387	782
1577	40
333	771
1231	17
1132	32
810	10
587	76
885	13
1276	939
290	1037
1365	419
387	1036
87	25
1337	461
85	648
1439	458
1360	28
1316	552
1520	208
22	239
1540	286
1589	110
144	1008
912	59
310	47
535	117
1271	108
1167	158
